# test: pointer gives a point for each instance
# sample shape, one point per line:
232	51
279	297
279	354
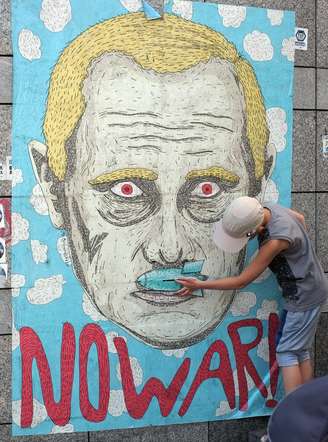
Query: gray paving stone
6	80
322	34
172	433
305	18
304	88
5	376
5	145
322	232
322	89
321	343
305	203
235	430
5	37
322	160
5	311
5	436
304	151
325	307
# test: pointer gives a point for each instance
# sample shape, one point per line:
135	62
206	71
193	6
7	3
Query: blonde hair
168	45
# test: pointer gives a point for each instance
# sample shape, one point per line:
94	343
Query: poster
130	137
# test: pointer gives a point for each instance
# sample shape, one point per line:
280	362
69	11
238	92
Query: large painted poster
130	138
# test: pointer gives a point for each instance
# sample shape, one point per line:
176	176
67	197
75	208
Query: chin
182	340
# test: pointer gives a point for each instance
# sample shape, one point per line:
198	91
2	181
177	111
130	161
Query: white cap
240	219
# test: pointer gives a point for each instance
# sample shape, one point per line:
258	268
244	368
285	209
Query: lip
161	298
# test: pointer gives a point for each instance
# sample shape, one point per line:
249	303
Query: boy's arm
264	257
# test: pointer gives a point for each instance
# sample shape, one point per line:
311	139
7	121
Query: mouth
161	298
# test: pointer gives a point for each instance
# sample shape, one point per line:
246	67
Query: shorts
296	336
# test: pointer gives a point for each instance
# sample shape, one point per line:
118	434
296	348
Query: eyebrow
124	174
217	172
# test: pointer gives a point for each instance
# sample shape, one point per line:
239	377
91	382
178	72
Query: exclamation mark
273	365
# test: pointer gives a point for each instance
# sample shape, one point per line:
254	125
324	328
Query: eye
126	189
206	189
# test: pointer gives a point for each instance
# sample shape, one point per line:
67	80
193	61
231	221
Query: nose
168	242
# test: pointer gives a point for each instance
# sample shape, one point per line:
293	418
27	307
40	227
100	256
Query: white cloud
258	46
267	308
38	201
178	353
110	341
276	119
264	275
223	408
136	371
55	14
263	349
182	8
116	405
90	310
242	303
275	16
15	339
271	192
39	251
288	48
19	228
17	177
132	5
29	45
17	281
69	428
39	413
46	290
63	250
232	16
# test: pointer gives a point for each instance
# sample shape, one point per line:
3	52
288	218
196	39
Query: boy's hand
189	285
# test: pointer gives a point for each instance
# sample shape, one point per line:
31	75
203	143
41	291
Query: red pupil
207	189
127	189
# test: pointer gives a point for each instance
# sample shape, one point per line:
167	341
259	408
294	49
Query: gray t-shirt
297	269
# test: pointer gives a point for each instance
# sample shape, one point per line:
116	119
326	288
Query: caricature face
158	157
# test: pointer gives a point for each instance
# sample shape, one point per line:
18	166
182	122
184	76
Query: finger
184	292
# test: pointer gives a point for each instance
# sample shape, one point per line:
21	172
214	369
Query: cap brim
227	242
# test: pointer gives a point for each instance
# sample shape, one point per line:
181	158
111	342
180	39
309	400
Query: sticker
9	168
301	39
2	217
2	250
325	146
3	175
3	274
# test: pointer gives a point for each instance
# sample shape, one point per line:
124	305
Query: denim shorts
296	335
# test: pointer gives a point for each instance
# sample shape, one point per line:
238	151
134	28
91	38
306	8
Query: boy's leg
306	367
292	377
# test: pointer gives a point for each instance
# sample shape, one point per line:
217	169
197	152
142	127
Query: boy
284	247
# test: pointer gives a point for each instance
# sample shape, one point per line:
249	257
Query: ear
38	155
270	163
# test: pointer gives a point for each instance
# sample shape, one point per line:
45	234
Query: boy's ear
38	156
270	163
